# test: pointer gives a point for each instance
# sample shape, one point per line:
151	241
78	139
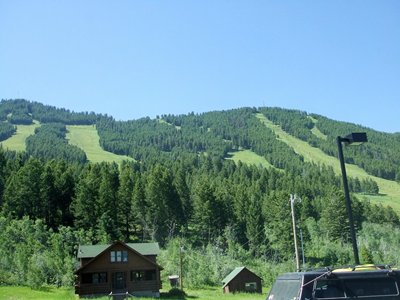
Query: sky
132	59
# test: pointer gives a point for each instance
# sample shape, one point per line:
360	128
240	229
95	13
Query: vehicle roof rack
365	267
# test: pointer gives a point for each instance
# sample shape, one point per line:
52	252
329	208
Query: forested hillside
180	186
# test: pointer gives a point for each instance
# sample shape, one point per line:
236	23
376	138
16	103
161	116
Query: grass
86	138
389	190
248	157
163	121
52	293
211	293
17	141
26	293
316	131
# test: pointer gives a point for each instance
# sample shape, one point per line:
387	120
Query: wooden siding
105	288
93	288
84	261
149	285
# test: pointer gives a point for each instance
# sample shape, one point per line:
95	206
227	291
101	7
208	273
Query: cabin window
94	278
125	256
103	277
250	286
135	276
87	278
118	256
143	275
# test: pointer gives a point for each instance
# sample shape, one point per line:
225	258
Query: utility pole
292	199
180	264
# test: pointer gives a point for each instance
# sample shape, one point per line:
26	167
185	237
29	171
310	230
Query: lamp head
355	139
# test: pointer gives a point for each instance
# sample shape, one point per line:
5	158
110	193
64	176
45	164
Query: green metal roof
232	275
94	250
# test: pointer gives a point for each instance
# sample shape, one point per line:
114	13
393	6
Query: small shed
242	280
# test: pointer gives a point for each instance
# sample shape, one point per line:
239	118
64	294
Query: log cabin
118	269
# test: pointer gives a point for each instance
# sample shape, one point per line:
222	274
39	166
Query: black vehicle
369	282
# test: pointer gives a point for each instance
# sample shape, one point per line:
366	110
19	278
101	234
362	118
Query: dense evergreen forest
182	189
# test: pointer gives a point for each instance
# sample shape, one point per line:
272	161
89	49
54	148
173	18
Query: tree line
209	202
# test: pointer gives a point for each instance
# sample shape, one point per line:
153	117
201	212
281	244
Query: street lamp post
354	139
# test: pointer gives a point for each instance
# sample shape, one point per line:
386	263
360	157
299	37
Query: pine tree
22	193
334	217
366	255
184	194
108	190
139	207
65	187
278	224
49	196
164	211
207	211
255	223
86	205
125	201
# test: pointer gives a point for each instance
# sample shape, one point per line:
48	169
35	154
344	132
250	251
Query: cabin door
118	281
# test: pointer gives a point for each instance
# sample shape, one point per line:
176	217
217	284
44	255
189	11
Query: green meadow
86	138
26	293
17	141
248	157
52	293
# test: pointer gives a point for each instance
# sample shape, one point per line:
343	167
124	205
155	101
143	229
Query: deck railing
125	295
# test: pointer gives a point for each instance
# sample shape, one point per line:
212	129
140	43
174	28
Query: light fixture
353	139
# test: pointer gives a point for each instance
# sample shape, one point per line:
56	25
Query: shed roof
94	250
232	275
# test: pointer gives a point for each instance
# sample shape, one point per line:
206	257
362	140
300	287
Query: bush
176	293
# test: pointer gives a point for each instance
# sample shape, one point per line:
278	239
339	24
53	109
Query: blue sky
132	59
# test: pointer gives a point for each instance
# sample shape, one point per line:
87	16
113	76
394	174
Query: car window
378	286
285	289
325	289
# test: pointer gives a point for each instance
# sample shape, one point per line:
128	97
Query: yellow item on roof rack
369	267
